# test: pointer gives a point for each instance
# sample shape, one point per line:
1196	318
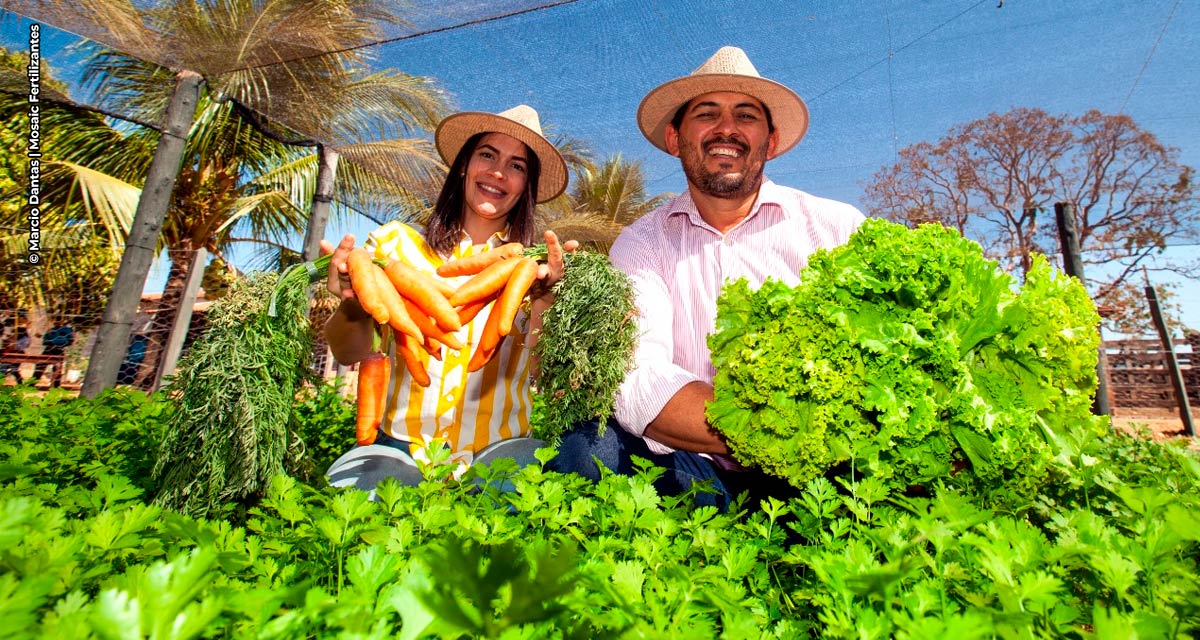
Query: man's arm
681	423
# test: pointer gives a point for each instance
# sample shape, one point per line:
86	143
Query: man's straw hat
727	70
520	122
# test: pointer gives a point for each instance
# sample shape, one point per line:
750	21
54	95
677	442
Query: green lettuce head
907	356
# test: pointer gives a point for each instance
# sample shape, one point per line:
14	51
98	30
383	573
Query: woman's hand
552	271
338	282
541	294
350	331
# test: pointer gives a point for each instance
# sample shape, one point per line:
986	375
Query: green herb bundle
586	344
905	355
235	391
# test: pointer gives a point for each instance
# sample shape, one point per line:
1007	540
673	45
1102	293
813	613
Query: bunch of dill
586	344
235	391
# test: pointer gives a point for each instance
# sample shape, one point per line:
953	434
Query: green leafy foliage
1109	551
77	440
586	345
235	389
323	423
905	356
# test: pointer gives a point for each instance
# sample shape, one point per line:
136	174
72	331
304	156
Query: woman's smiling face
496	176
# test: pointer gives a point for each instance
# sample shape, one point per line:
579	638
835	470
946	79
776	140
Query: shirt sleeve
654	378
383	242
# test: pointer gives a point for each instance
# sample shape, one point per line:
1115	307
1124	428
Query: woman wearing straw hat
724	122
501	166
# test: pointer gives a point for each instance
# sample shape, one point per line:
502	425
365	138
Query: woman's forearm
537	306
350	333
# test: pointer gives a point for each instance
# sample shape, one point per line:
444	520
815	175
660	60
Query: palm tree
290	59
287	58
602	201
78	258
616	189
244	177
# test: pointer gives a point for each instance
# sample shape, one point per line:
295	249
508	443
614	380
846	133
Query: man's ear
772	142
671	137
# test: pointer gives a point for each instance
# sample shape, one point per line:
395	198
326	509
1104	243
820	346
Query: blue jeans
365	467
395	443
616	447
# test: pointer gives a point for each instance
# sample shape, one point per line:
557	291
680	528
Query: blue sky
877	75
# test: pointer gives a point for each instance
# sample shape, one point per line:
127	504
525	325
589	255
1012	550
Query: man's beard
723	185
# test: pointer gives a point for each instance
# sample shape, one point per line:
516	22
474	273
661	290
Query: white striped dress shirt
678	264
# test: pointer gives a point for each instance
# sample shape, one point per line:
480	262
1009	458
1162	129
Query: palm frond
106	199
590	228
269	216
410	163
575	152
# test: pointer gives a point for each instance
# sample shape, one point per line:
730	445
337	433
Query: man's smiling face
723	141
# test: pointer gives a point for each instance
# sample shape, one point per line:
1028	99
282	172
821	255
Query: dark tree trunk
318	216
113	334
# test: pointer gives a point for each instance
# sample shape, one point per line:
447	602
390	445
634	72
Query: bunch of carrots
424	312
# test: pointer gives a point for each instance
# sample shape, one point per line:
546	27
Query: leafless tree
997	179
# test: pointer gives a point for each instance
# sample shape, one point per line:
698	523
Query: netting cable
887	20
410	36
906	45
1149	55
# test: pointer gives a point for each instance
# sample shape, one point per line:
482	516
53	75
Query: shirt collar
768	193
496	239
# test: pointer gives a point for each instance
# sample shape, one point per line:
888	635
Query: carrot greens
587	340
235	390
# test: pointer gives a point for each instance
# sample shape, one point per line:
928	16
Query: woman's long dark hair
444	230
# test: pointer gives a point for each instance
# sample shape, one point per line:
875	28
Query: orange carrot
444	287
472	265
430	328
489	341
484	283
480	358
433	347
423	290
407	347
467	312
397	313
490	336
373	374
514	292
366	288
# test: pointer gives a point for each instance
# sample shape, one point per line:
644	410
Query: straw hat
727	70
520	122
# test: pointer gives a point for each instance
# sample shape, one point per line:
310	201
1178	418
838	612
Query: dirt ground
1163	423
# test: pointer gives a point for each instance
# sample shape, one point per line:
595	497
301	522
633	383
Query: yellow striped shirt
466	411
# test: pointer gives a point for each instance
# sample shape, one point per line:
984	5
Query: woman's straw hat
727	70
520	122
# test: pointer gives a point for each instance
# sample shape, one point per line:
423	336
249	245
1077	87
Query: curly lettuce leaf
904	354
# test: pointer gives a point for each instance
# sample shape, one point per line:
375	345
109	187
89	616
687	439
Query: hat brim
789	114
455	130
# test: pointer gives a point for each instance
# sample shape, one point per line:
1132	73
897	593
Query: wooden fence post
1185	410
1064	213
183	318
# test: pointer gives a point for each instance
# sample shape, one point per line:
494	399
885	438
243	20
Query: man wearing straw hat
724	122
